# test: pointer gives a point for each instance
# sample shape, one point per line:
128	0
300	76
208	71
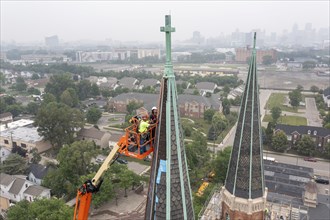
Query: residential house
206	87
128	82
6	118
4	153
120	102
37	172
326	96
238	91
114	138
27	138
109	84
194	105
100	138
320	136
189	105
16	188
149	82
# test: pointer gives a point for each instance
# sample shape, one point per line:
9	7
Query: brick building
242	54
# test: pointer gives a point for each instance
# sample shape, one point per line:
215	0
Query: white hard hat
153	108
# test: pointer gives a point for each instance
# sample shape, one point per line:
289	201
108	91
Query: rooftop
26	134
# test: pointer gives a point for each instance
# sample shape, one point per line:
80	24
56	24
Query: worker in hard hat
153	120
144	133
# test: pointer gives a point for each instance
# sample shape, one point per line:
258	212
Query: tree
226	90
57	123
43	208
327	151
126	179
95	91
306	146
269	133
280	142
208	114
220	164
132	105
32	108
74	162
226	106
33	91
58	84
212	134
314	89
20	84
309	65
93	115
84	89
36	158
48	97
326	119
35	76
14	164
219	121
267	60
276	113
295	97
300	87
69	97
15	109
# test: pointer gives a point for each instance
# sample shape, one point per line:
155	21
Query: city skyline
140	20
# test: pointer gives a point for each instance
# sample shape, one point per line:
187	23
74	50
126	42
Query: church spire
245	175
169	193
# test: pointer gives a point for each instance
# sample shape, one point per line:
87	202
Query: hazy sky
24	21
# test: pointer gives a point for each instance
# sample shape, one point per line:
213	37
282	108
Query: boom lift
128	145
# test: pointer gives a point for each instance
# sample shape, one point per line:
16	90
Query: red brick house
320	136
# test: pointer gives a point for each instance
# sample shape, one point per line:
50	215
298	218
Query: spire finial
254	40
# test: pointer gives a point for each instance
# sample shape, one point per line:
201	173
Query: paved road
312	114
320	167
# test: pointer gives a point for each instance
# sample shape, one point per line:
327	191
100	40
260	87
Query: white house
16	188
326	96
36	173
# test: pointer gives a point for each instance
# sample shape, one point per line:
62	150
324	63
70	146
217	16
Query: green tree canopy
35	76
306	146
276	113
314	89
219	121
74	161
280	142
220	164
58	84
226	106
84	89
295	97
69	97
93	115
20	84
57	123
14	164
132	106
208	114
51	209
32	108
326	119
95	91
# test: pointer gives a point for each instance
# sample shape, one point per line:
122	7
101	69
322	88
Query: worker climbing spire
169	193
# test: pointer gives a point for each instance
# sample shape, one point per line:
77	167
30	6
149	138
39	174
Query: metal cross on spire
168	29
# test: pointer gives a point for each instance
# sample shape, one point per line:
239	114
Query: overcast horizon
30	21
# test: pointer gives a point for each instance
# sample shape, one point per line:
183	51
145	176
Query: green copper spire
168	29
169	194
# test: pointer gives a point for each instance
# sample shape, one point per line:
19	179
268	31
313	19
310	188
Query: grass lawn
288	120
278	99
